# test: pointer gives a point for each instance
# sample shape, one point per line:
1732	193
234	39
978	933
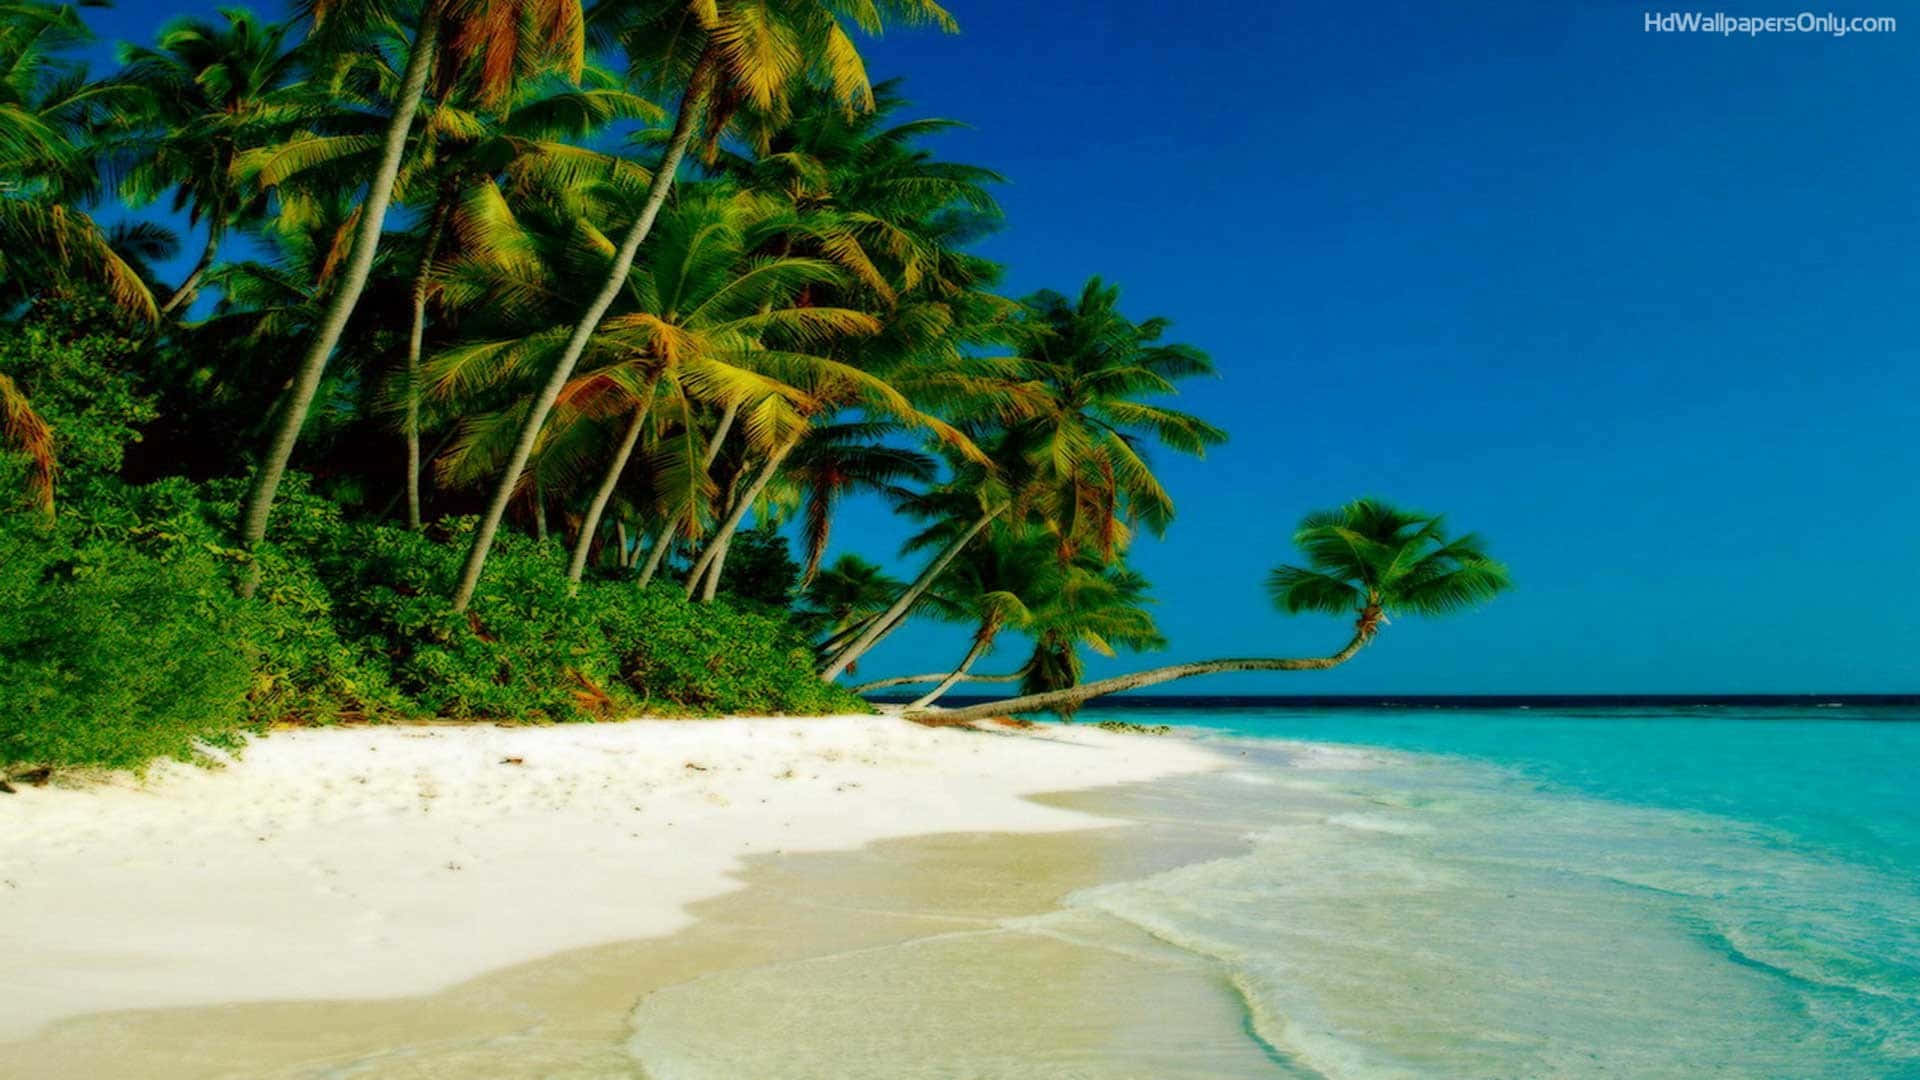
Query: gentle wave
1415	915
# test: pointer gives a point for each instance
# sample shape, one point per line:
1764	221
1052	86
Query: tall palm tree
534	144
701	321
1365	559
212	91
718	55
863	195
505	39
1071	416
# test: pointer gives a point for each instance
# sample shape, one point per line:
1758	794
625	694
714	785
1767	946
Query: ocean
1553	888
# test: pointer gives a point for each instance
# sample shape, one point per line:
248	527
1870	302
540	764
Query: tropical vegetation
519	360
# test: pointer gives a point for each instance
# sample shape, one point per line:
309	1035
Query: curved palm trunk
416	334
186	290
664	541
934	676
740	507
366	243
1075	695
608	483
982	641
692	106
897	613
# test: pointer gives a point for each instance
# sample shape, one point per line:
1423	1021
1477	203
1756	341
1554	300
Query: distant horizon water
1150	699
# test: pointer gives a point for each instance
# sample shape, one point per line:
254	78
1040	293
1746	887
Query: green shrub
531	647
121	638
723	657
111	656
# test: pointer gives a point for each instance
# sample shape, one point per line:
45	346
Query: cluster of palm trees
645	270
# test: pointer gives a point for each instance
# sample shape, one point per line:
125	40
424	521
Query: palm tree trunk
185	292
611	480
740	507
982	641
624	558
366	243
664	542
1074	695
539	513
934	676
839	638
661	544
692	106
416	334
712	586
907	599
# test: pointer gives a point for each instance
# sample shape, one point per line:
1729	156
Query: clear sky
1638	307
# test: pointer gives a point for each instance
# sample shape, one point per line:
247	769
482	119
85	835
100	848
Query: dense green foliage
111	654
466	408
121	637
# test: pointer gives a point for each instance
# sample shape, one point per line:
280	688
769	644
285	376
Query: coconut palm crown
1374	560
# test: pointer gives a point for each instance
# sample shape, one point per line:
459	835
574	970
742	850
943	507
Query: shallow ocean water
1591	892
1641	892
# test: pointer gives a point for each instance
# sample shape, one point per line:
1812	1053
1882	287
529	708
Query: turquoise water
1514	893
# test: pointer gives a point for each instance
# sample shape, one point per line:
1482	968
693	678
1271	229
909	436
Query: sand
362	863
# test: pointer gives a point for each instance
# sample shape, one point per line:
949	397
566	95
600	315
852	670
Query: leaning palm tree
717	55
1099	607
842	597
1365	559
1074	409
505	39
995	584
1016	584
711	320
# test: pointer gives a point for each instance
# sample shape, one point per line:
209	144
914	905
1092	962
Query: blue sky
1635	306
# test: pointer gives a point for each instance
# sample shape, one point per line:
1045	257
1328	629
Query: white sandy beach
376	862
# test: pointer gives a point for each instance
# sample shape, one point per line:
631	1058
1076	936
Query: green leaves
1368	555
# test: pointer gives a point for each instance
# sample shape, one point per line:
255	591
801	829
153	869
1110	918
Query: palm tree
843	597
708	323
506	38
49	116
996	584
1365	559
842	459
532	144
212	92
1016	583
710	318
1073	422
718	55
1099	607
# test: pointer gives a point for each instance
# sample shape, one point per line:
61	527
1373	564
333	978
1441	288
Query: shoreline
395	863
